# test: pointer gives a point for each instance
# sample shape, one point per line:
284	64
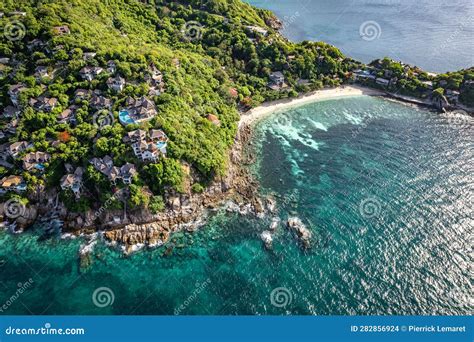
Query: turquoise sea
386	190
436	35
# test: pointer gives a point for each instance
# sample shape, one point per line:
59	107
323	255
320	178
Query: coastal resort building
213	119
43	103
258	29
148	147
88	55
60	30
11	112
16	148
382	81
452	96
155	81
89	73
12	183
14	92
68	116
363	75
98	101
113	173
35	44
116	83
428	84
137	110
41	72
277	81
73	182
81	94
35	160
111	67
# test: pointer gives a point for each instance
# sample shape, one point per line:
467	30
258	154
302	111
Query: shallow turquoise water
385	189
433	34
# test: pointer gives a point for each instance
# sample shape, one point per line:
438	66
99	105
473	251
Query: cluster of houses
147	146
137	110
385	78
32	161
155	81
73	181
389	80
35	160
371	75
106	166
12	183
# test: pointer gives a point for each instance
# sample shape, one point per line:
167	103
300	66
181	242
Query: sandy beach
326	94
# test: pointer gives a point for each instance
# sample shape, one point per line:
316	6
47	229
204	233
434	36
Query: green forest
216	58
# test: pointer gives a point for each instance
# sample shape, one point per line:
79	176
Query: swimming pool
161	145
125	118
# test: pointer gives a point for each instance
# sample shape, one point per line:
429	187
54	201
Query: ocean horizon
434	35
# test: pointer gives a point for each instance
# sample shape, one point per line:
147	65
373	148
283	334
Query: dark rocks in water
267	239
304	234
274	224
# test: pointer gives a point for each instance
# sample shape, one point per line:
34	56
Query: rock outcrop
304	234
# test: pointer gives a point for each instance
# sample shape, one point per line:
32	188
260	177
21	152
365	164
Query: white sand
326	94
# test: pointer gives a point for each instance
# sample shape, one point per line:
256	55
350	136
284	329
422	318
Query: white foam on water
318	125
289	133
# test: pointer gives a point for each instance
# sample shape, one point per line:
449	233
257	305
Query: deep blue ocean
386	191
436	35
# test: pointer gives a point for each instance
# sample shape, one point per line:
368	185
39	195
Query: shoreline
256	114
238	185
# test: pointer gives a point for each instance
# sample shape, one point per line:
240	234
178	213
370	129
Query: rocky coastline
130	229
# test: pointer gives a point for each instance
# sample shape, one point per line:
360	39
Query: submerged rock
267	239
271	204
304	234
275	223
85	251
